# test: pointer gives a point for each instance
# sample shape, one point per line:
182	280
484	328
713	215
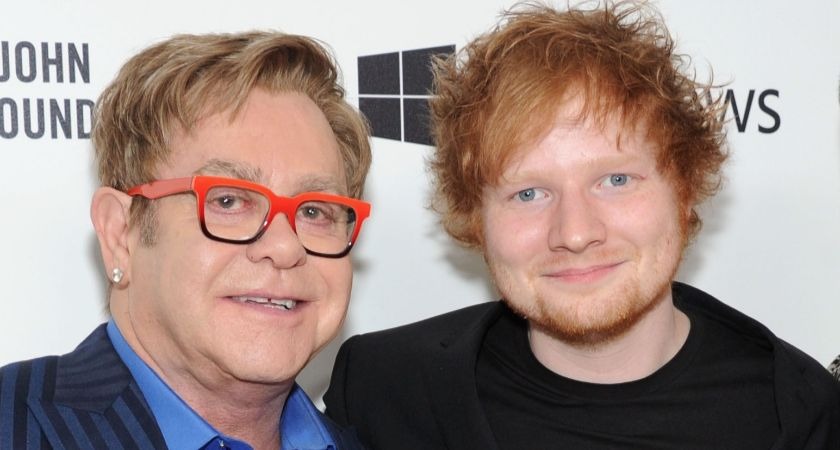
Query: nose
278	244
577	223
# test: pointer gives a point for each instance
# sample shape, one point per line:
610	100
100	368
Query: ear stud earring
116	275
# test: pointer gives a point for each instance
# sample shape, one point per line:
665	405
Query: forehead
576	135
282	140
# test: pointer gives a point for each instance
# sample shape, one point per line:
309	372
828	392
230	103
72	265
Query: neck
245	411
641	351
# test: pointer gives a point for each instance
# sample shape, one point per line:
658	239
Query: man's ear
109	212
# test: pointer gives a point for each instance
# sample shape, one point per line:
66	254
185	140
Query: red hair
502	91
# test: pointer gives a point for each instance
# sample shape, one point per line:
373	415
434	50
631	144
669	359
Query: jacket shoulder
823	387
380	381
20	383
391	358
807	396
34	378
431	331
87	395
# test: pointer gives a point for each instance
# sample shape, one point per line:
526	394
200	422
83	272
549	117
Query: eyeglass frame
201	184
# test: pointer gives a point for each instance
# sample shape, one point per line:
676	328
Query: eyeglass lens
238	214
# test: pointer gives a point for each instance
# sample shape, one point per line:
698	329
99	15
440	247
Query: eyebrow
232	169
317	183
311	183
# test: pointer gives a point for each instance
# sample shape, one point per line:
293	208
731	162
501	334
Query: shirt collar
301	424
180	425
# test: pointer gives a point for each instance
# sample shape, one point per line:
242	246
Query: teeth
288	304
270	302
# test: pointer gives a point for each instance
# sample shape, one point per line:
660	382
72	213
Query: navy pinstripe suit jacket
86	399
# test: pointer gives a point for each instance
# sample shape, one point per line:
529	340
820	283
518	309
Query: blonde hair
173	84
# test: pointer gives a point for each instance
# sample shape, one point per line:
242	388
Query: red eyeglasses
239	212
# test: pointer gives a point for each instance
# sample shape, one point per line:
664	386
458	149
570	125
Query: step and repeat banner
770	241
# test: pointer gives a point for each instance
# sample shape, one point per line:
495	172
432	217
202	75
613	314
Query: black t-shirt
716	393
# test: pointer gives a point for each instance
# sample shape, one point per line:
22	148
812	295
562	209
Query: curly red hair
502	91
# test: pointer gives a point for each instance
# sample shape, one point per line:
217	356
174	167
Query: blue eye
617	179
526	195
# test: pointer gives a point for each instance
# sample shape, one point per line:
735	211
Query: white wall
768	248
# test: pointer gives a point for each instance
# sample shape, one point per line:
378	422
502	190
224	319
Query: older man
231	168
572	151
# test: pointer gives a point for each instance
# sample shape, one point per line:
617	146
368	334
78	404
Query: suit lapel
90	400
451	376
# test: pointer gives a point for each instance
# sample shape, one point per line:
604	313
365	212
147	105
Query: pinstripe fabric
85	399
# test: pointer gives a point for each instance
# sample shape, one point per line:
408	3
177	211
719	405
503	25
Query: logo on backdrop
31	63
743	105
394	91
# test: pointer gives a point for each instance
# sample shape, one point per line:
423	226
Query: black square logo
417	69
383	115
394	91
379	74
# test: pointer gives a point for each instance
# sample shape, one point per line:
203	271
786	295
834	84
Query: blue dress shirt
183	429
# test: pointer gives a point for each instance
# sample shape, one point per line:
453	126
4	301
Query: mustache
565	262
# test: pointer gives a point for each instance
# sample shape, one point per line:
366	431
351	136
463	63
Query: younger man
572	151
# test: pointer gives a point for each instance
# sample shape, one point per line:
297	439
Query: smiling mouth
585	274
268	302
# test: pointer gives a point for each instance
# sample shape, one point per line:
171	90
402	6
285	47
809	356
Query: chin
591	320
269	365
269	374
592	333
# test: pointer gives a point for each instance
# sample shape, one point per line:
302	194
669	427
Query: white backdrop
768	247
